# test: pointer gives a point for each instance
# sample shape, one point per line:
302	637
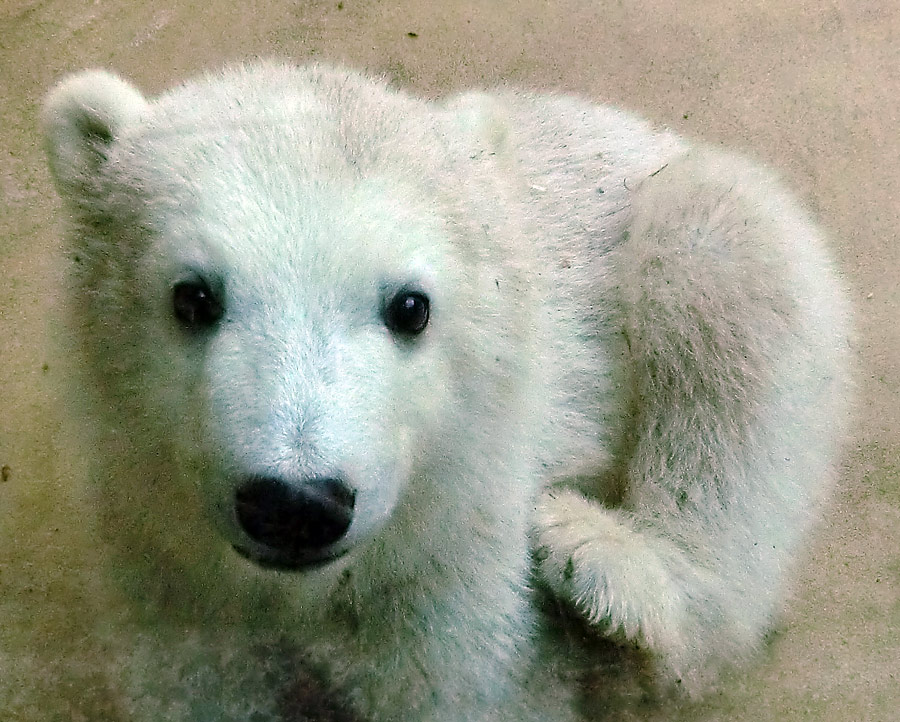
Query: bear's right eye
407	313
195	304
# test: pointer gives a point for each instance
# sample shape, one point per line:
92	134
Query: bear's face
290	302
305	330
277	314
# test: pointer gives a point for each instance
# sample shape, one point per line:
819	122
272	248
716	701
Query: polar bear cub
373	378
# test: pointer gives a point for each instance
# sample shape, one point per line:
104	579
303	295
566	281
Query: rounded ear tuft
482	118
82	116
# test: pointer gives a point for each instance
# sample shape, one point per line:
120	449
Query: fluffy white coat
627	398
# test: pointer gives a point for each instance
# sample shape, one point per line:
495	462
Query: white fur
629	393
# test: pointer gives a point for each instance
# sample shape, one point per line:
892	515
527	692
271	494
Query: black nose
295	519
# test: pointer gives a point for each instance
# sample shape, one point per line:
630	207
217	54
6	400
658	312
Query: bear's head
305	313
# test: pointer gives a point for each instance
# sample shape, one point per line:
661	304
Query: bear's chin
273	560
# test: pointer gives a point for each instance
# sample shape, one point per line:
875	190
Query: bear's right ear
83	115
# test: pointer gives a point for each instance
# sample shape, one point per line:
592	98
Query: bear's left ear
482	118
82	117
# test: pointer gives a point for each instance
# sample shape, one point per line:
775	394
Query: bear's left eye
407	313
195	304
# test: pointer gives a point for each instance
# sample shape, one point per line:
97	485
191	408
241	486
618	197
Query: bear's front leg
633	584
737	351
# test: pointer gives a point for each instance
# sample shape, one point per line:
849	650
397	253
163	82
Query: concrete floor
809	86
